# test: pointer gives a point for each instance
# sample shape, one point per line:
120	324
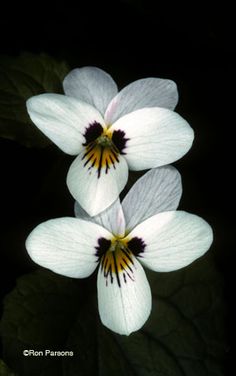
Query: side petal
172	240
155	137
91	85
66	246
147	92
159	190
96	188
112	218
63	119
124	296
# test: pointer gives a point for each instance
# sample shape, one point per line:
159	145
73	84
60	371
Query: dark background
129	39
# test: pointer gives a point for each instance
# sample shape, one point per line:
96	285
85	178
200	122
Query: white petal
112	218
62	119
156	136
124	297
147	92
91	85
66	246
173	240
95	193
157	191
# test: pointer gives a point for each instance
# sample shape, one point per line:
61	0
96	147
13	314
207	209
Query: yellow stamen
118	261
101	154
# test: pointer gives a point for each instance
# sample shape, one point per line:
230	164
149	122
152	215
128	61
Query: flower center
102	147
104	141
117	258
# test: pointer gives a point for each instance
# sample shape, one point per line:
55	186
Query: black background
192	45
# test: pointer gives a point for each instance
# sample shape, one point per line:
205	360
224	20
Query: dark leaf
183	336
21	78
4	370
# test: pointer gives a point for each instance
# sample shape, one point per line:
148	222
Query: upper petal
111	218
91	85
158	190
172	240
155	137
66	246
94	185
147	92
124	295
63	119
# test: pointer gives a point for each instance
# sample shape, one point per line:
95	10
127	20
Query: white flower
145	230
109	132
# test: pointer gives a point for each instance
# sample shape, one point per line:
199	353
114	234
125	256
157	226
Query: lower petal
96	187
124	295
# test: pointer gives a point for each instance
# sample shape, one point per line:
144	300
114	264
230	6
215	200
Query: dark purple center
95	130
136	246
119	140
102	247
92	132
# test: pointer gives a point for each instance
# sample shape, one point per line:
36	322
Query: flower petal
94	185
112	218
159	190
91	85
155	137
172	240
124	295
63	119
147	92
66	246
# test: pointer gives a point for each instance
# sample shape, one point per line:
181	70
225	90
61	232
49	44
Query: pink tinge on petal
110	110
120	222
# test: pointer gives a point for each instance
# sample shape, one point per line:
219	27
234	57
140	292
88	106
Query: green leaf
20	78
183	336
4	370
